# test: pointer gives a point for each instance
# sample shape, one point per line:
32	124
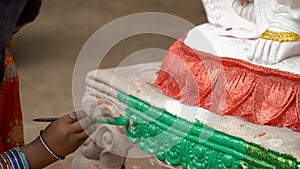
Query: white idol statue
278	25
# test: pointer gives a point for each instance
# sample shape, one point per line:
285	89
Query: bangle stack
13	159
47	147
16	159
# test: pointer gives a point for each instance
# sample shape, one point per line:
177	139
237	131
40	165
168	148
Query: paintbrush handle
119	121
45	119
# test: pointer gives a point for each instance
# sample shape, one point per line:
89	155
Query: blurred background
46	52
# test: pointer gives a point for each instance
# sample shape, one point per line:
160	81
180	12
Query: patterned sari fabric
11	125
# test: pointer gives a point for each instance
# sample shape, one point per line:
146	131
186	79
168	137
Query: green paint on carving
270	157
196	145
197	132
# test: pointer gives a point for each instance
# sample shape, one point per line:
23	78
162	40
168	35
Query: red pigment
231	87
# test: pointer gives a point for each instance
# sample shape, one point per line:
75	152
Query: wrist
37	155
41	138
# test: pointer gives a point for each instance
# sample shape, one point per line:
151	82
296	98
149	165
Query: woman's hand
62	137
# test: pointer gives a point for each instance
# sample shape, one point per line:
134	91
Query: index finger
83	124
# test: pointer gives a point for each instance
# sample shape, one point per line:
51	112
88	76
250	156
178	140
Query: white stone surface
106	83
259	16
235	43
230	33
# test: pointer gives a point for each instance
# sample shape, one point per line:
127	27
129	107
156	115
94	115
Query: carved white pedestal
107	147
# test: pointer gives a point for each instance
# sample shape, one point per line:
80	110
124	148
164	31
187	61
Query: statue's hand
271	51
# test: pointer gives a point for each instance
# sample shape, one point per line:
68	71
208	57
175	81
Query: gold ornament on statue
280	36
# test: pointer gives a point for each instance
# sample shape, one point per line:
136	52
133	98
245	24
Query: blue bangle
12	159
18	157
25	162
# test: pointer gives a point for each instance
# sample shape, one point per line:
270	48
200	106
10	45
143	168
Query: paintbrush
119	121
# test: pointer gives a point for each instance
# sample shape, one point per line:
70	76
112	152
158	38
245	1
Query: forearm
37	155
30	156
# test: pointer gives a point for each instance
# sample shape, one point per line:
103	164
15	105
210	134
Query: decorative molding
177	142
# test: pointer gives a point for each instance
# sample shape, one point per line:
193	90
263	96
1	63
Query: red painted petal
272	96
239	85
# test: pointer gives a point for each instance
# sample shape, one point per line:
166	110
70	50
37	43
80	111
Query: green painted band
188	136
256	160
252	155
165	117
